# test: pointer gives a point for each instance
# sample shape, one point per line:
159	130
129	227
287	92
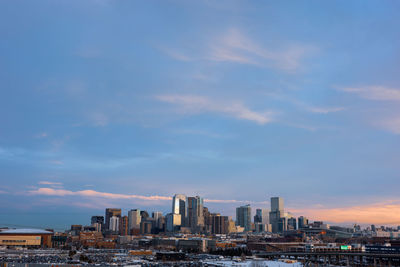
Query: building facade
243	217
110	212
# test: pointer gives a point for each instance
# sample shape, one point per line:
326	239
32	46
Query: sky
108	103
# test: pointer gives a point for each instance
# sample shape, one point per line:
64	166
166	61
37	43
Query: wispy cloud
199	104
41	135
49	183
377	92
46	191
91	193
324	110
235	46
386	117
177	55
390	124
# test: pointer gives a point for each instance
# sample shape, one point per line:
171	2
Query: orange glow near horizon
385	213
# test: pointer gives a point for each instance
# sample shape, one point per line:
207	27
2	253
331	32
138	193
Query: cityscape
191	235
205	133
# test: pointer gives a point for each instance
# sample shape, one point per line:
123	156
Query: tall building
195	213
261	220
156	214
134	219
173	222
275	215
291	223
179	206
302	222
277	204
158	221
124	227
114	224
144	214
110	212
262	216
97	222
219	224
243	217
146	226
97	219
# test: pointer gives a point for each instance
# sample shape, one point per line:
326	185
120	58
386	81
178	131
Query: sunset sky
108	103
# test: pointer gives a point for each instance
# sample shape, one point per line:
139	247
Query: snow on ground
253	263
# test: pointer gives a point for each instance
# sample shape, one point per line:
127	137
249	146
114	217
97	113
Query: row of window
13	241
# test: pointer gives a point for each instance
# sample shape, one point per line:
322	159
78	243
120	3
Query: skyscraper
97	219
243	217
276	213
195	213
134	219
97	222
173	222
156	215
277	204
262	216
179	206
114	224
291	223
110	212
219	224
124	228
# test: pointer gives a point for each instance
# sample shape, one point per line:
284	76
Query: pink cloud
49	183
92	193
95	194
190	104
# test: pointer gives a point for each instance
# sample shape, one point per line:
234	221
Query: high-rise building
114	224
158	221
111	212
302	222
277	204
144	214
124	227
97	222
134	219
243	217
291	224
276	214
179	206
261	220
219	224
262	216
173	222
156	214
146	226
97	219
195	213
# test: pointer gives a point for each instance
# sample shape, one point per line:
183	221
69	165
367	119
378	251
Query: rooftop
24	231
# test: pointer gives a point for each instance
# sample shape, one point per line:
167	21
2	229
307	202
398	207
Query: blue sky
110	103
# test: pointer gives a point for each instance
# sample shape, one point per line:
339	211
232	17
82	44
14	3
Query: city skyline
124	104
267	206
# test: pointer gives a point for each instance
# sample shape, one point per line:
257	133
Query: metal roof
24	231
